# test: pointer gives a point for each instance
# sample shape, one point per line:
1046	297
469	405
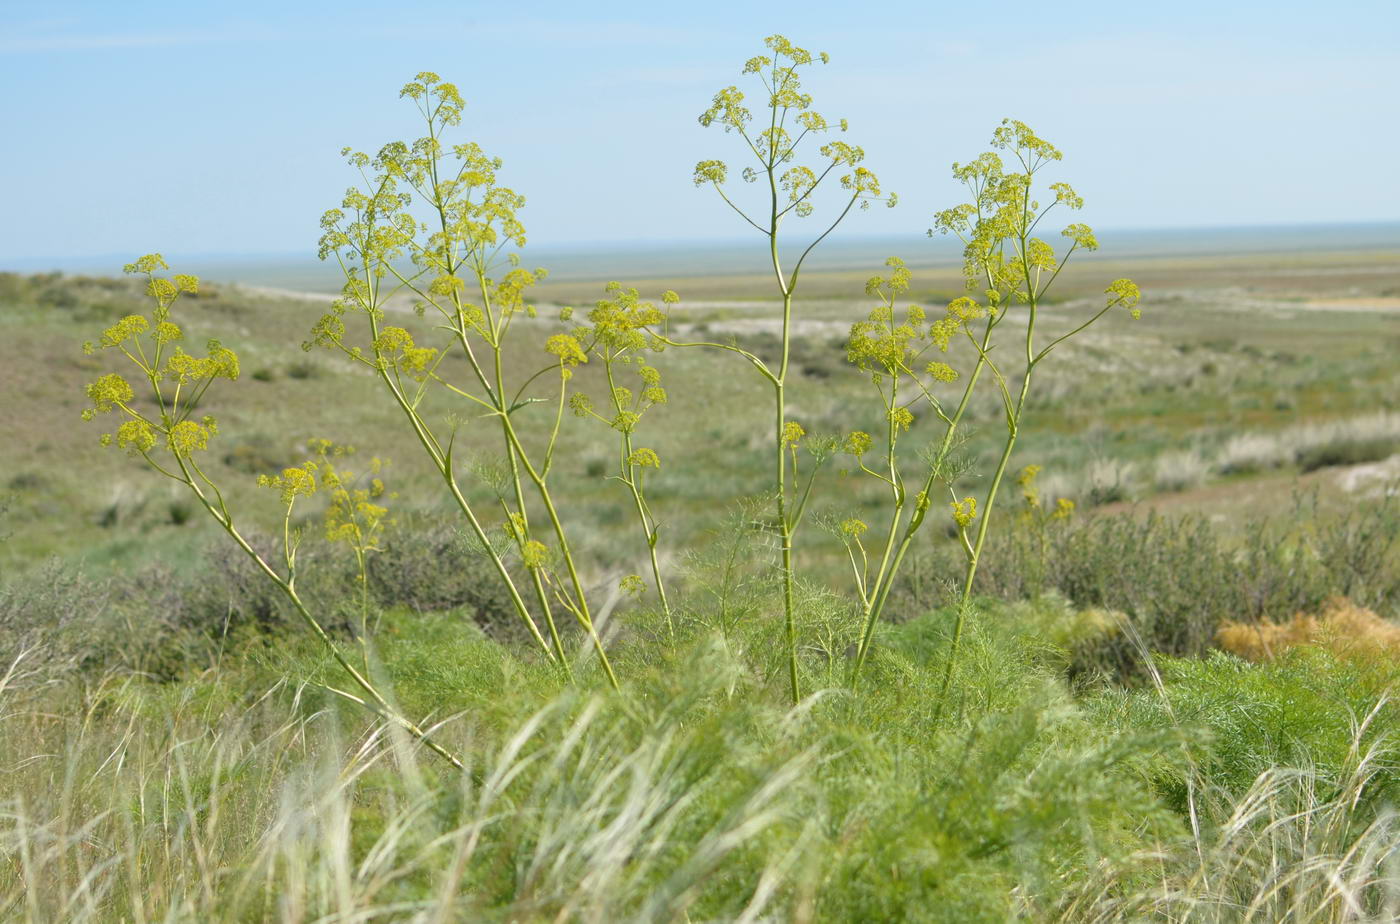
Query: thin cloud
538	32
30	44
582	34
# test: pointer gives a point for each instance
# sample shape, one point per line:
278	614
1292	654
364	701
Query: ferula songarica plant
445	212
771	149
161	429
1008	270
621	330
432	228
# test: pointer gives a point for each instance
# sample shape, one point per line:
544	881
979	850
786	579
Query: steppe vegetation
719	598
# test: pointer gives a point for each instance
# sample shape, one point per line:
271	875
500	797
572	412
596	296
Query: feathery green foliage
697	792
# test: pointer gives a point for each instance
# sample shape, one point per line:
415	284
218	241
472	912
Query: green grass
228	794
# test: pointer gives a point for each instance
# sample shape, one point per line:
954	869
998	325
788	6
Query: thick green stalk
364	605
1013	430
445	470
780	407
786	531
885	580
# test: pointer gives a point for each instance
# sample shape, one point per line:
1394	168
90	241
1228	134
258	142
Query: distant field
1261	367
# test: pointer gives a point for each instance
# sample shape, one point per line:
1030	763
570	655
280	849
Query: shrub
1347	452
52	620
301	370
1178	470
1306	708
428	564
1176	579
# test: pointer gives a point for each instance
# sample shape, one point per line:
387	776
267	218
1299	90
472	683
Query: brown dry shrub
1342	627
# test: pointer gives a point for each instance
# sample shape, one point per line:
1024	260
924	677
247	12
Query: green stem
580	606
885	580
497	396
1013	429
971	573
785	528
540	594
379	704
630	477
897	492
780	415
443	463
364	607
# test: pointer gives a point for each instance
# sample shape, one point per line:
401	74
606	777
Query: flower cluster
395	349
1001	256
1030	496
621	329
294	482
775	147
136	436
1124	293
643	457
853	528
858	443
353	516
221	363
888	349
1026	480
187	437
177	379
620	322
106	393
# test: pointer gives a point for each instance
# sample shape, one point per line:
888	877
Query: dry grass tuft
1342	627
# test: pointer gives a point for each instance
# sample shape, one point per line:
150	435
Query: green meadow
1232	456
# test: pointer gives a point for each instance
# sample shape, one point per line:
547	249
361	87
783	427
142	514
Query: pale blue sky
216	127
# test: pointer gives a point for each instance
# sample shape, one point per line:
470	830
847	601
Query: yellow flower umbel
175	380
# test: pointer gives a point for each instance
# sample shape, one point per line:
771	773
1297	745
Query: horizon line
653	244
